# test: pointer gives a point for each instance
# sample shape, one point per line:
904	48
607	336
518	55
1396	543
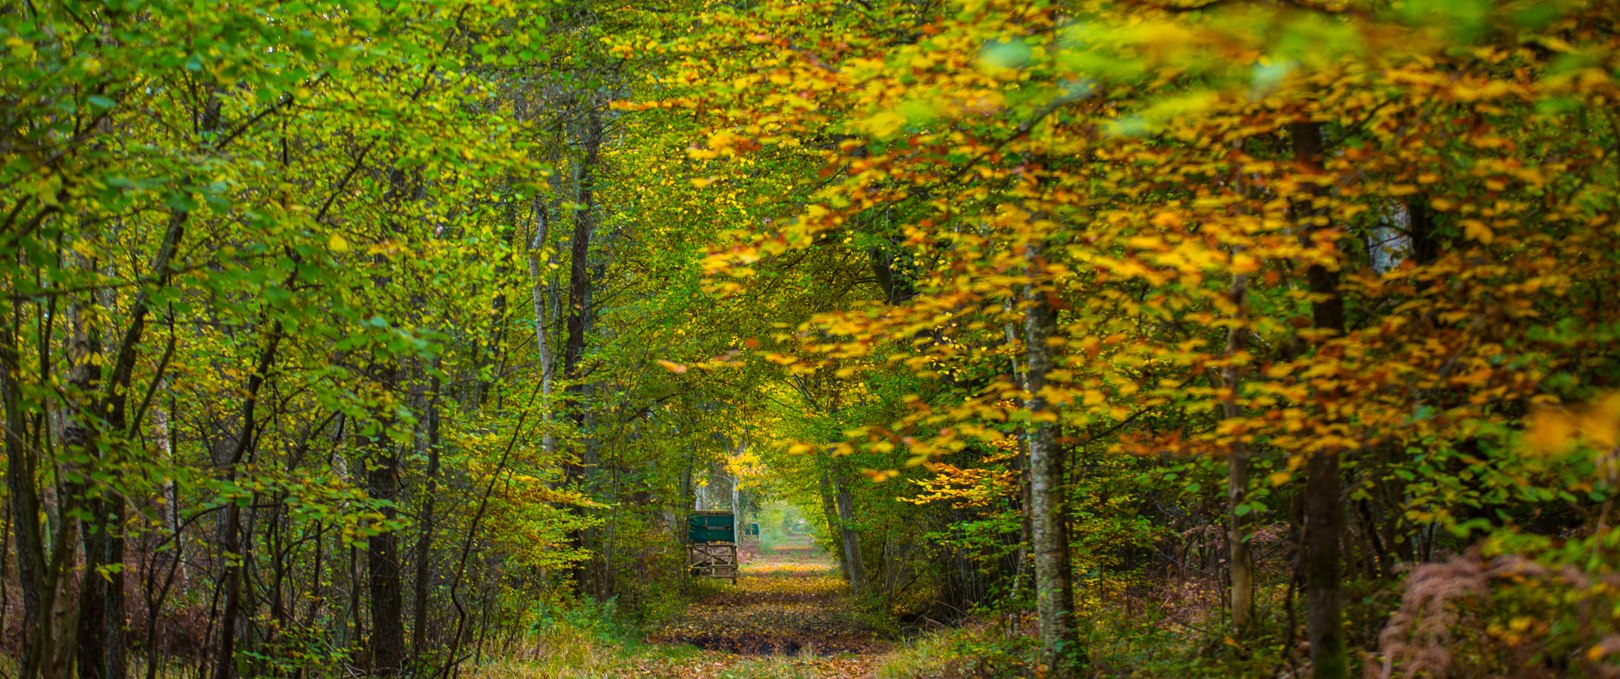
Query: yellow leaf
1477	230
880	475
337	243
885	124
1549	432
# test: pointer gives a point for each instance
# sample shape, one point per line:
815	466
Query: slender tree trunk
60	641
102	641
79	442
1021	463
579	272
23	494
579	313
384	574
383	584
542	318
231	547
357	621
109	543
387	642
5	553
424	543
1324	514
736	505
1054	584
1237	475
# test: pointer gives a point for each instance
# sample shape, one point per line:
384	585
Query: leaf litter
790	615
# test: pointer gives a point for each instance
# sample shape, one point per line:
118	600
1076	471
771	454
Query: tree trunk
855	565
382	559
829	507
225	659
542	316
21	475
102	641
424	542
1021	464
578	317
1054	584
79	442
1324	515
1237	476
579	272
387	641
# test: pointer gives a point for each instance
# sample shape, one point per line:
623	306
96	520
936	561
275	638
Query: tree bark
382	559
424	541
79	442
542	316
829	507
21	475
1237	476
579	315
579	272
387	641
1054	584
1324	515
855	565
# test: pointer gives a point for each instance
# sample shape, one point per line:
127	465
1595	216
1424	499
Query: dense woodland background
1188	338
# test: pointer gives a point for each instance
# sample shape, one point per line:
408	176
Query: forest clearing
809	338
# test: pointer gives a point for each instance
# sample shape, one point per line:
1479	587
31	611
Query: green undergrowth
1118	642
587	639
974	650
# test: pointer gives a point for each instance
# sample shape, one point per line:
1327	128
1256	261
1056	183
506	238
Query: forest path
790	615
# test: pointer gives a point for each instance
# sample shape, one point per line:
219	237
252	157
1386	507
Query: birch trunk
1054	584
542	315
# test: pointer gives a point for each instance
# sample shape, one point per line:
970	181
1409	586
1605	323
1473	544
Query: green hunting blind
712	545
711	527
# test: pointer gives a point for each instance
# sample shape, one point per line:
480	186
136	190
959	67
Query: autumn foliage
1165	338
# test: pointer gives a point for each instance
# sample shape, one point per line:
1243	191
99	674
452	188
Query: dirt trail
788	616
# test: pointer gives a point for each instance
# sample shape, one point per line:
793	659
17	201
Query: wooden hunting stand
712	545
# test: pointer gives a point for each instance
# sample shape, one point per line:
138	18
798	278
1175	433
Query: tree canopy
1215	338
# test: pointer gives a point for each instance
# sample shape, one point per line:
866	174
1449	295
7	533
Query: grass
565	651
561	654
976	650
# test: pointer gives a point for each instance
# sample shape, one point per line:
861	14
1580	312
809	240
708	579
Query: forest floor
790	615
